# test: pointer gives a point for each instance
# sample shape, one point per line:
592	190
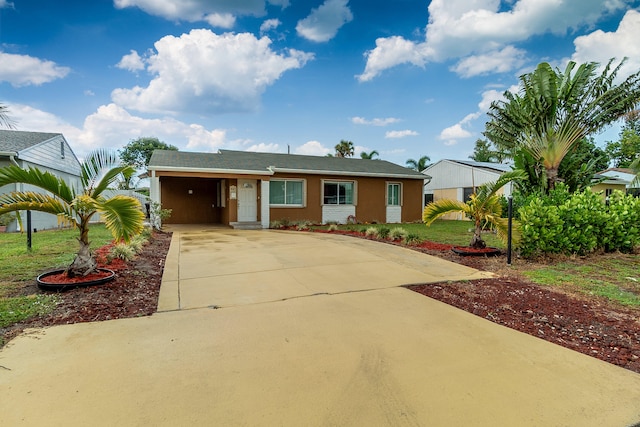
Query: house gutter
12	156
153	169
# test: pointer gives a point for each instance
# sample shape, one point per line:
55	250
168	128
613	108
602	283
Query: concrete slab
314	330
384	357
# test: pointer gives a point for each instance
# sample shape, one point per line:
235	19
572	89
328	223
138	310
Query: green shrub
333	227
371	232
412	239
397	233
383	232
123	251
580	223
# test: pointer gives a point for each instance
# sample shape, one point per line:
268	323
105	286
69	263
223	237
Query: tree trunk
84	263
552	178
476	241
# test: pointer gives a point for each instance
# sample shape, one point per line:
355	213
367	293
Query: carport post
510	225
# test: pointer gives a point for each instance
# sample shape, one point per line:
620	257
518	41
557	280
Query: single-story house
46	151
625	176
240	188
457	180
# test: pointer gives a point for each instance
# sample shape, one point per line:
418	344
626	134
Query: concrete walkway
283	328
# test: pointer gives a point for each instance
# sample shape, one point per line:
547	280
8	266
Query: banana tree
484	208
122	215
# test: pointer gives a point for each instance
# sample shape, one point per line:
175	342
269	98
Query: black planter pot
467	251
58	287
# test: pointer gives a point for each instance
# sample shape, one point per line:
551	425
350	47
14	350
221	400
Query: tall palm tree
122	214
484	208
420	164
344	149
369	156
554	110
5	118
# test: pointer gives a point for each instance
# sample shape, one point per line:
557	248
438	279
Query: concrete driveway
299	329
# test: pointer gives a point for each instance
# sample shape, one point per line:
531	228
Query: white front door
247	200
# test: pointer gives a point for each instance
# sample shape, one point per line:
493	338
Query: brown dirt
590	325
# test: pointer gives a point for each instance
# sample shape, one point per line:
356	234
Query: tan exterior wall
604	187
412	199
450	194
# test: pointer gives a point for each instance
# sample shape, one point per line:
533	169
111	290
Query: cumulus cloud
282	3
499	61
313	148
269	24
6	4
131	62
460	28
111	126
374	122
324	22
209	73
454	132
263	148
393	134
600	46
220	13
25	70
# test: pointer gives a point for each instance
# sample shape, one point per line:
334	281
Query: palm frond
442	207
122	216
44	180
95	167
33	201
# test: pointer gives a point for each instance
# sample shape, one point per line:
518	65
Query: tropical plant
554	110
484	208
625	150
369	156
5	118
344	149
420	164
122	214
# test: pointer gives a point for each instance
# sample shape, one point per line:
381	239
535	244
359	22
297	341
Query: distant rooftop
14	141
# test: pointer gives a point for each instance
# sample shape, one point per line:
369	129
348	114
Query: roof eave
348	173
209	170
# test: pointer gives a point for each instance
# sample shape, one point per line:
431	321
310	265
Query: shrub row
579	223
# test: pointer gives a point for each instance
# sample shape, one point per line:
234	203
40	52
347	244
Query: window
393	194
62	149
428	198
286	192
467	192
338	193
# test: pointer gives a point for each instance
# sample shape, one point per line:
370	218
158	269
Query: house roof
14	141
228	161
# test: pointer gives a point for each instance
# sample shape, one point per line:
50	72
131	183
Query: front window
466	195
393	194
338	193
286	192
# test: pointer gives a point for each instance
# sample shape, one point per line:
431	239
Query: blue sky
406	78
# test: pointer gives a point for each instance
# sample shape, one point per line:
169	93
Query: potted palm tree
122	215
484	208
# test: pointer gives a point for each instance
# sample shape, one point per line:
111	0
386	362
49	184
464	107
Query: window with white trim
394	194
338	192
286	192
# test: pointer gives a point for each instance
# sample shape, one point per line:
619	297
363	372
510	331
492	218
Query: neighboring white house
457	180
46	151
624	175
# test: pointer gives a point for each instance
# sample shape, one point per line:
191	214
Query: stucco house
245	189
623	176
46	151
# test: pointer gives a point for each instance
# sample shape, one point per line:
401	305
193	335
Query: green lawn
50	249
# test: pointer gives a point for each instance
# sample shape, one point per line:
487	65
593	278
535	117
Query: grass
50	249
457	233
615	277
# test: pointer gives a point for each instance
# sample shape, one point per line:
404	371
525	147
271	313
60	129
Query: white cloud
218	13
264	148
131	62
6	4
205	72
600	46
282	3
324	22
499	61
459	28
374	122
269	24
400	133
25	70
112	127
455	132
389	52
313	148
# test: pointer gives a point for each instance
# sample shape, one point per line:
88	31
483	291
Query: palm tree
554	110
369	156
122	214
344	149
484	208
420	164
5	119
